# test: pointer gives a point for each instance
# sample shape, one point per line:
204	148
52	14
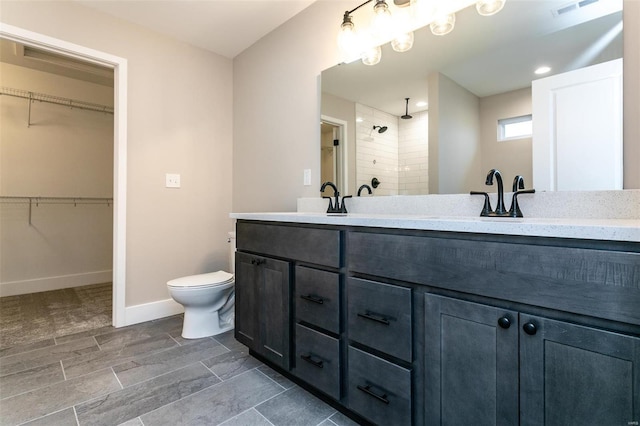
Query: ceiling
226	27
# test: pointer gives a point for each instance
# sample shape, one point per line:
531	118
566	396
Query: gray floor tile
248	418
26	380
47	355
18	349
131	402
94	361
144	368
86	333
65	417
276	377
227	338
122	336
295	407
133	422
230	364
342	420
217	403
40	402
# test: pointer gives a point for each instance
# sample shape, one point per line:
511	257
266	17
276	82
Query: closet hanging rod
55	200
41	97
9	199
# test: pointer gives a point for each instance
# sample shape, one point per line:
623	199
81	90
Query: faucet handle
515	211
343	208
330	209
486	210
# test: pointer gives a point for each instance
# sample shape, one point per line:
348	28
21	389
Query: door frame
119	66
342	168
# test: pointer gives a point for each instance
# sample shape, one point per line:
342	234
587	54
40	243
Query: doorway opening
119	66
333	152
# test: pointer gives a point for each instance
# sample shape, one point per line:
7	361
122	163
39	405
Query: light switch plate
172	180
307	177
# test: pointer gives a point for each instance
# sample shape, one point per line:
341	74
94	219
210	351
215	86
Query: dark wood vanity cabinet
403	327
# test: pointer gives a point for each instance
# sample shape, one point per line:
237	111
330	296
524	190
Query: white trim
36	285
119	66
152	310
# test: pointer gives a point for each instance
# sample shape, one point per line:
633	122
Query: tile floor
147	374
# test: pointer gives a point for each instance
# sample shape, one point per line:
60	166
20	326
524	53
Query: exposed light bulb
402	42
489	7
372	55
443	25
423	10
348	37
382	22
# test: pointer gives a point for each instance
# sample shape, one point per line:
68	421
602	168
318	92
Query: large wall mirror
466	81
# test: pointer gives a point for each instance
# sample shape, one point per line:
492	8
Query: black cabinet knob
530	328
504	322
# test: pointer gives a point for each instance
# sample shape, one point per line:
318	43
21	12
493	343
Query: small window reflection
515	128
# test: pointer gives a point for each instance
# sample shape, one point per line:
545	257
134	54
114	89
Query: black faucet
514	211
337	207
518	183
365	186
500	210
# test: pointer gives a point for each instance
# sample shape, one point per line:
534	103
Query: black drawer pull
258	262
368	391
311	361
314	299
373	317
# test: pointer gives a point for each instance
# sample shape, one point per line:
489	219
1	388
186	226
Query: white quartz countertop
588	229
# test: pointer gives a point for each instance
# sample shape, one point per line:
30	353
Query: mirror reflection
459	87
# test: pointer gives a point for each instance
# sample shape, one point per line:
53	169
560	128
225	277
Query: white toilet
208	300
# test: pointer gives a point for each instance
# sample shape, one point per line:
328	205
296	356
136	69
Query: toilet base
199	323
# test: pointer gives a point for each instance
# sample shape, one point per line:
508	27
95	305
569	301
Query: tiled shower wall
413	155
398	158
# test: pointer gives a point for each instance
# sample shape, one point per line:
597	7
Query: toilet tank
232	252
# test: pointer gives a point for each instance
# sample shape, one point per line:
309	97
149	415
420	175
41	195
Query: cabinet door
274	297
262	306
574	375
247	278
471	363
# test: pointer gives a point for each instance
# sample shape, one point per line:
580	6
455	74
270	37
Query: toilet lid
200	280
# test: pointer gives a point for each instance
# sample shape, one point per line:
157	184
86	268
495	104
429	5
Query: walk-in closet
56	194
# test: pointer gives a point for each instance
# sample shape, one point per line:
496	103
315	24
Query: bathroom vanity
419	321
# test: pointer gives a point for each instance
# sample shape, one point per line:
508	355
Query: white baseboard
151	311
14	288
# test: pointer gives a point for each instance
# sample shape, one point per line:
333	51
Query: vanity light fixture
384	26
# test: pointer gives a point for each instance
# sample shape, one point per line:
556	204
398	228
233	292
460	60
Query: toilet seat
212	279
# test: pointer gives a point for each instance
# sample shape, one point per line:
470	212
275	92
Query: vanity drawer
313	245
317	298
379	316
378	390
318	360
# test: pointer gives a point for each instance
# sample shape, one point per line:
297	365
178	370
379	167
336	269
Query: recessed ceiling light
542	70
359	120
421	104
